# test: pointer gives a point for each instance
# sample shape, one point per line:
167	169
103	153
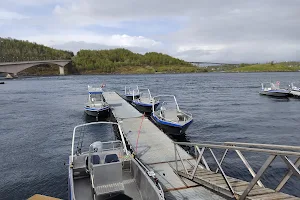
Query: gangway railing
272	152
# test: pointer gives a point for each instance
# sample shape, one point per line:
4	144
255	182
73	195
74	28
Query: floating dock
160	154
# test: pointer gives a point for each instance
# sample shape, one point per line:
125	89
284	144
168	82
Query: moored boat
131	92
169	117
107	170
295	89
271	89
96	105
144	102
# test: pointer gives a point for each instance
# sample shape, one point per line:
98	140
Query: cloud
8	15
217	31
86	38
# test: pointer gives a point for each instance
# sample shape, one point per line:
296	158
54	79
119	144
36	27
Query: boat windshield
130	90
145	93
270	86
96	97
295	86
86	134
167	102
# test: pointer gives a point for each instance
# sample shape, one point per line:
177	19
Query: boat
169	117
144	102
107	170
96	105
1	82
131	92
295	89
271	89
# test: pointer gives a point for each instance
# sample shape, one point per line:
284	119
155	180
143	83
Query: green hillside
121	61
268	67
124	61
18	50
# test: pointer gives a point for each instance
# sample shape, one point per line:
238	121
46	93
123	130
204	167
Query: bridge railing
269	150
23	59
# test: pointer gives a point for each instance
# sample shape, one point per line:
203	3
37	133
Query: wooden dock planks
216	182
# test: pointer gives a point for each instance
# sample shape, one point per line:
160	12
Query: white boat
169	117
273	89
144	102
96	105
131	92
107	170
295	89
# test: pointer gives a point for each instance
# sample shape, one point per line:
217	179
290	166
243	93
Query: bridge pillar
61	70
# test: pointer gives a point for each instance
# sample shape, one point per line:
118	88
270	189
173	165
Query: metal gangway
202	173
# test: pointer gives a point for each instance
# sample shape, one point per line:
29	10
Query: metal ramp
236	188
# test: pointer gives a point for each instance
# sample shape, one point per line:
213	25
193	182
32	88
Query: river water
38	115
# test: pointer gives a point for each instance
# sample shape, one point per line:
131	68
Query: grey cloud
243	31
77	46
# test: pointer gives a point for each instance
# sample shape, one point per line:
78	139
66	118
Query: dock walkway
156	150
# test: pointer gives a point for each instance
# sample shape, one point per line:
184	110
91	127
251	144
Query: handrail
93	123
272	150
279	152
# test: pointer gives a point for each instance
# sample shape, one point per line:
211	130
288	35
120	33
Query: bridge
210	63
15	67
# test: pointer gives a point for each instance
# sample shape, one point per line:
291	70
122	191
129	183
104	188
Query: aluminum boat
144	102
96	105
273	89
107	170
295	89
169	117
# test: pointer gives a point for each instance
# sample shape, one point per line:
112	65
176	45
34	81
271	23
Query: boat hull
170	128
144	108
130	97
101	113
275	93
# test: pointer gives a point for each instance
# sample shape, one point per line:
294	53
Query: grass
269	67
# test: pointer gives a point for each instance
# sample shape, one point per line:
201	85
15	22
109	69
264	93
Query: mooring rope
139	132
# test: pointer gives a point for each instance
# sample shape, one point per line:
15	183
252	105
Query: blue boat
169	117
96	105
273	89
144	102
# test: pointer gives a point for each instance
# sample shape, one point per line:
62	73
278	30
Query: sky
230	31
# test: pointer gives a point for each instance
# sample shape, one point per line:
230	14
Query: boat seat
95	159
111	158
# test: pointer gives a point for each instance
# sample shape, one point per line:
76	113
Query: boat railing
94	123
206	151
128	90
157	98
111	145
141	91
92	89
187	113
